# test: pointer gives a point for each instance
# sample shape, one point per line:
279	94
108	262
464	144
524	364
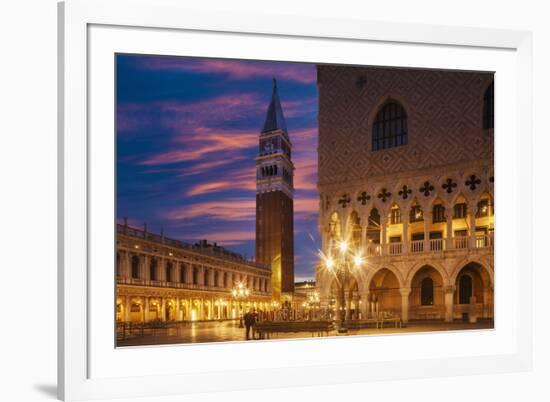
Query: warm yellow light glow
330	263
343	246
240	290
358	260
193	315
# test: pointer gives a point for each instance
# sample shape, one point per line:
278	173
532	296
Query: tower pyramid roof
275	120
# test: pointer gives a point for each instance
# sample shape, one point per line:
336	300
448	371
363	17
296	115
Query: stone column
145	267
383	236
427	222
449	294
127	308
364	236
146	309
201	275
348	306
405	222
213	277
161	269
163	309
449	234
324	237
405	292
365	305
472	223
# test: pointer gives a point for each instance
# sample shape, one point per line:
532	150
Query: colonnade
144	308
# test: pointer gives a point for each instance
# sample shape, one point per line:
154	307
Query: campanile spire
274	200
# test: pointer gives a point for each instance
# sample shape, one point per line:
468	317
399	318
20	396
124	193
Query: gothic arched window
427	292
489	107
390	127
135	267
355	222
465	289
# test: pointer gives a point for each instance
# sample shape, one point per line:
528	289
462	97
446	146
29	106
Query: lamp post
240	292
313	301
341	264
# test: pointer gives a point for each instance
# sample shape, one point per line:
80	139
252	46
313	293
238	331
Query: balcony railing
395	248
436	244
417	246
432	245
461	242
207	249
179	285
374	249
483	241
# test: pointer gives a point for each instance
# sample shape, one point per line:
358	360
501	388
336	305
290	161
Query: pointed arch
418	266
372	273
355	230
467	261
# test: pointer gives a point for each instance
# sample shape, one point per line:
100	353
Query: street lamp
240	292
312	302
345	260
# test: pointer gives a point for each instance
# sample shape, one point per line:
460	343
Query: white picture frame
90	31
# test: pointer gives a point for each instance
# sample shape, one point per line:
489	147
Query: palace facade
165	279
406	176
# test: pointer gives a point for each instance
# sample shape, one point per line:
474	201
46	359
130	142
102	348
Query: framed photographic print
244	197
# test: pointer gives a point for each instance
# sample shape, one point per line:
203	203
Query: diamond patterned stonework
444	113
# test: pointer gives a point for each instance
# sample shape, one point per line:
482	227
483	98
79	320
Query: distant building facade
305	288
275	201
406	175
164	279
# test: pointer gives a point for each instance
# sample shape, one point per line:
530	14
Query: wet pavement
227	331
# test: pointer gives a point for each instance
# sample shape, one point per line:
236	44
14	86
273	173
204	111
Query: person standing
249	321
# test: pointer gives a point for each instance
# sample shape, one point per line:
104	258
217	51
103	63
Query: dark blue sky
187	136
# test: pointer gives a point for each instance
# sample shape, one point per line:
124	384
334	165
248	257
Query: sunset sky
187	136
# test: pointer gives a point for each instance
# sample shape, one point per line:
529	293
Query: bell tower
274	201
